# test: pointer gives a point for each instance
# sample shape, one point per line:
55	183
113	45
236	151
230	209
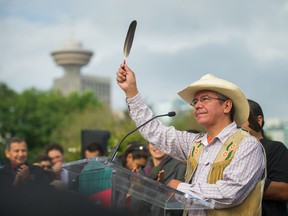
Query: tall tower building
72	57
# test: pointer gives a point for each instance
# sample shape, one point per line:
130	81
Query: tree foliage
34	115
42	117
102	118
185	120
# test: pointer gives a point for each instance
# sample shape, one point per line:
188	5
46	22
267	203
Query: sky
175	44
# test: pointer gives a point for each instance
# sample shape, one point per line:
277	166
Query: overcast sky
176	42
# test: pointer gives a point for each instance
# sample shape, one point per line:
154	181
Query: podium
112	186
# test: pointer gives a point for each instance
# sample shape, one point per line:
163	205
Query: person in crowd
276	185
45	162
55	152
162	168
94	149
225	164
135	156
18	173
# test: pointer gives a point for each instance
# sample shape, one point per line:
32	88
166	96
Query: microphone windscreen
171	114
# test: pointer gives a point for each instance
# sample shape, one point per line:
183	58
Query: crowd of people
231	161
41	188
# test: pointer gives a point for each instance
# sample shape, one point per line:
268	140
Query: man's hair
255	111
253	123
54	146
43	158
94	146
14	140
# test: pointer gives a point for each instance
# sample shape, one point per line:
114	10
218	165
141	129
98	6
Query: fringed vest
251	206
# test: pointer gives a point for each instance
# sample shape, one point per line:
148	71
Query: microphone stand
170	114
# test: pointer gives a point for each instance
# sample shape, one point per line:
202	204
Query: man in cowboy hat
225	164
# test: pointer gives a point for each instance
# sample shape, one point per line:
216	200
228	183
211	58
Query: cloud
175	44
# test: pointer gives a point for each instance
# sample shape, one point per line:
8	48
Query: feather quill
129	39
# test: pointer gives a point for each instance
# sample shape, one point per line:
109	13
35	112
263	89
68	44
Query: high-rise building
72	57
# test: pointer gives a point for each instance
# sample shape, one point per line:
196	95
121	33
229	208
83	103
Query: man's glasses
205	99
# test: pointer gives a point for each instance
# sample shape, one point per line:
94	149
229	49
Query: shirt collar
222	136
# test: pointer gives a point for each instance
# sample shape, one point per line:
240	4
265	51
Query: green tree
7	96
7	108
42	117
185	120
35	114
100	118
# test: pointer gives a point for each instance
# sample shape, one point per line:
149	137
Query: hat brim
223	87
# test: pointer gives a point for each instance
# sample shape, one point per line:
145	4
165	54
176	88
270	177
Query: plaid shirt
239	177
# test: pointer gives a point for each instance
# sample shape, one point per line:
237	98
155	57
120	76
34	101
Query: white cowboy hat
228	89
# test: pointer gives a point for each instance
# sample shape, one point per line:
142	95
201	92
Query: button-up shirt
239	177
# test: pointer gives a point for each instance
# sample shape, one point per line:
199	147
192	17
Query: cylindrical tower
71	56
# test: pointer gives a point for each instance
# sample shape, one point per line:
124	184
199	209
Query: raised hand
127	81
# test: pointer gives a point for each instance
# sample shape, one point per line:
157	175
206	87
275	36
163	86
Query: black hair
94	146
14	140
255	111
253	123
137	150
54	146
43	158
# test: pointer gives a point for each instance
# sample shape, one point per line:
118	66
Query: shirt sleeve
167	139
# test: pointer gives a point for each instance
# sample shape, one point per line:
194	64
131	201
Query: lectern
113	186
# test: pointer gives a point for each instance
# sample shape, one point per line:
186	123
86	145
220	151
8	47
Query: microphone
170	114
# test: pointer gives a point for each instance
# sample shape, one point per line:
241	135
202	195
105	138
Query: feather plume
129	39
